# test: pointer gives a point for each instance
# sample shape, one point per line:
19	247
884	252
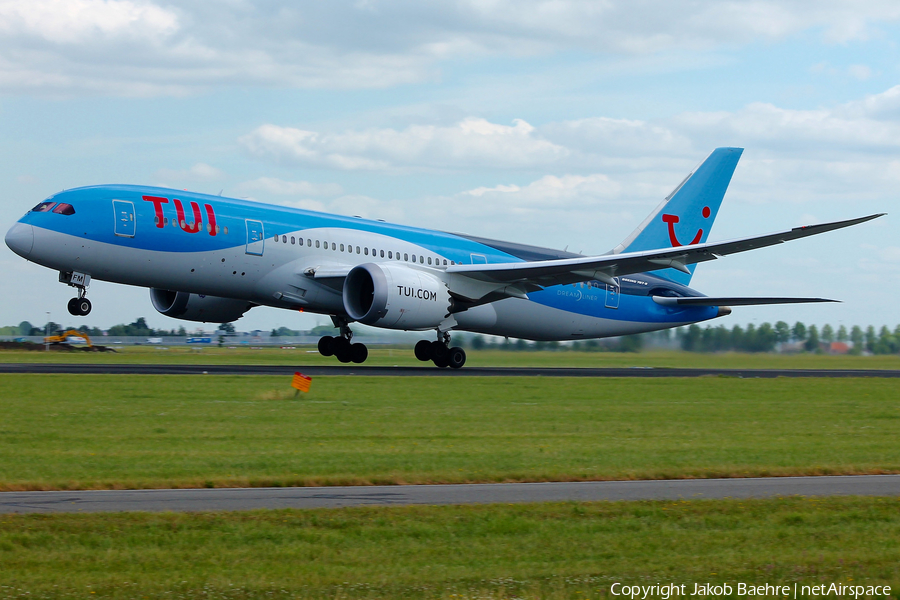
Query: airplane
211	259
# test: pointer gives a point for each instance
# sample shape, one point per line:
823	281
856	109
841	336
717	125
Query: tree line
137	328
766	337
763	338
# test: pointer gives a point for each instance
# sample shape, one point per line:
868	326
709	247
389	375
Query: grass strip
401	356
562	550
118	431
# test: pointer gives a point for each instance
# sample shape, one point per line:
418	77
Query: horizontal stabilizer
707	301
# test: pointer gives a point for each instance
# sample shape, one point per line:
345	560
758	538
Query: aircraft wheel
342	350
73	306
83	306
456	358
423	350
439	350
326	345
442	362
359	353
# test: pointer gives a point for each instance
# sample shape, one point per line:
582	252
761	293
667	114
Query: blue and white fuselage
209	258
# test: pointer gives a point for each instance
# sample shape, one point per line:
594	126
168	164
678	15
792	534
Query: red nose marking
705	212
671	220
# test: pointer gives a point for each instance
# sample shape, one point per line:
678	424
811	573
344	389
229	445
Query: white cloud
551	191
199	172
471	143
854	141
65	22
141	47
858	72
855	127
890	254
861	72
281	187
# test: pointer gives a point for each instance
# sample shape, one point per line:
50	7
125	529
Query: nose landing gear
440	353
79	306
341	348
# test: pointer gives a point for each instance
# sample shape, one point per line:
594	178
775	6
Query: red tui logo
192	227
672	219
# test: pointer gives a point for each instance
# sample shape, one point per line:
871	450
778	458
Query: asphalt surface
430	371
398	495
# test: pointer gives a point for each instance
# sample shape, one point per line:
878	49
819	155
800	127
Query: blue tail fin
687	214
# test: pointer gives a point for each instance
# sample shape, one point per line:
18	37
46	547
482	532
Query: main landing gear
341	348
440	353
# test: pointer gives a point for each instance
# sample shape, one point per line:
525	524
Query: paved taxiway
396	495
320	370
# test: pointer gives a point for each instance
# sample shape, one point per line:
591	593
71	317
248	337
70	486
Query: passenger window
342	247
390	254
382	254
422	260
283	239
445	262
429	260
357	249
293	240
309	242
300	241
276	237
367	251
333	246
405	256
317	243
226	230
414	258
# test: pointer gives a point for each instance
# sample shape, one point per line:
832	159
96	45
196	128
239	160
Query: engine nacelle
395	296
194	307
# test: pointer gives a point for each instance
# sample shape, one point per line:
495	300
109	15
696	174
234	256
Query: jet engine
195	307
395	297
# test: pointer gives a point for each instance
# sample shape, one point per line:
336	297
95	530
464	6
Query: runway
428	371
399	495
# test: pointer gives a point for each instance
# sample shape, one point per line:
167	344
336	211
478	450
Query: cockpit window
43	207
64	209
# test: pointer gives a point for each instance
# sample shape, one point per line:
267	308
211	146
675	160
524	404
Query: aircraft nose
20	239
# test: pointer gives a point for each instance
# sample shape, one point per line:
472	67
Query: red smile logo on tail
672	219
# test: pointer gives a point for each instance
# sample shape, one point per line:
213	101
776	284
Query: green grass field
96	431
303	355
563	550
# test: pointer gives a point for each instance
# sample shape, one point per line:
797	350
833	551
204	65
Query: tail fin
687	214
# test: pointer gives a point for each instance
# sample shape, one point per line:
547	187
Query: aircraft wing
532	275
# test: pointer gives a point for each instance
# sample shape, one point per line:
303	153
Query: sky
560	123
